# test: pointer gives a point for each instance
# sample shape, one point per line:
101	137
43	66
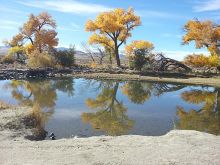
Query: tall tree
39	31
205	34
111	29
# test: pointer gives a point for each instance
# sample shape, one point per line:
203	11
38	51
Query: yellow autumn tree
37	34
111	29
200	60
205	34
139	44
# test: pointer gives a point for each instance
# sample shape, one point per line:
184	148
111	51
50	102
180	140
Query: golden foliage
111	29
93	65
202	60
40	60
39	31
205	34
135	45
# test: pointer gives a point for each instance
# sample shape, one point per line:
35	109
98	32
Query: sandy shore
176	147
213	81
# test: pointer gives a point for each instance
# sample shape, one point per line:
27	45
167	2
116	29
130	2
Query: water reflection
139	92
107	112
110	116
41	95
205	119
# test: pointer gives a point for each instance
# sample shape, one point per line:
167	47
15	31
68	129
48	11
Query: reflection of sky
155	117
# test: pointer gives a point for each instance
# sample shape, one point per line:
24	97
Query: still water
85	107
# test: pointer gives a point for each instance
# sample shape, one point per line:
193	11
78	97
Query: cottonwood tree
39	31
111	29
205	34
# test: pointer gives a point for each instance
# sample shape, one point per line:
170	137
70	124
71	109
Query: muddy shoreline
114	74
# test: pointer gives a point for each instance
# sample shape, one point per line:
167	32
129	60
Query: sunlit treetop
114	24
205	34
111	29
140	44
39	30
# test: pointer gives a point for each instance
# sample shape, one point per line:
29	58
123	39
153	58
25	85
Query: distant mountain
79	54
3	50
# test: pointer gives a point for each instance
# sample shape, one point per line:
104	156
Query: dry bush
4	105
40	60
8	59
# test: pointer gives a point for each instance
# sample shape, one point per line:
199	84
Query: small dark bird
52	136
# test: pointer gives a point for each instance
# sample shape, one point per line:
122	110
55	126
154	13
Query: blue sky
162	20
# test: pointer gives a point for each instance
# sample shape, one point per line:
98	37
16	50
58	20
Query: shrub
65	58
8	59
138	60
40	60
202	60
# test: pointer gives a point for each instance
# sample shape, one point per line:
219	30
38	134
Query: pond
71	107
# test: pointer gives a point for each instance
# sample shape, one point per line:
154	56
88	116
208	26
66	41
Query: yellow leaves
102	40
40	60
135	45
15	49
204	33
111	29
90	26
202	60
29	48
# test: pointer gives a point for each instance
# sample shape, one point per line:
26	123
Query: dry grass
4	105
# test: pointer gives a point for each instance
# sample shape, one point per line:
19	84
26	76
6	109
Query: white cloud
71	27
67	6
7	24
179	55
209	5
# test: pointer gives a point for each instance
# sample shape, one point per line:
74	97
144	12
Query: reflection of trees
139	92
206	119
41	96
111	115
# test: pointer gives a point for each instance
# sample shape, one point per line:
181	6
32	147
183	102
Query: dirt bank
176	147
213	81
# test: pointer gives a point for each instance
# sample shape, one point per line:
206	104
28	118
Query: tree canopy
205	34
111	29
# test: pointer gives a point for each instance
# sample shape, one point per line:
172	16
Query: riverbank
176	147
114	74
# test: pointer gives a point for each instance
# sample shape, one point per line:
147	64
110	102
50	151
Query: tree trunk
117	56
